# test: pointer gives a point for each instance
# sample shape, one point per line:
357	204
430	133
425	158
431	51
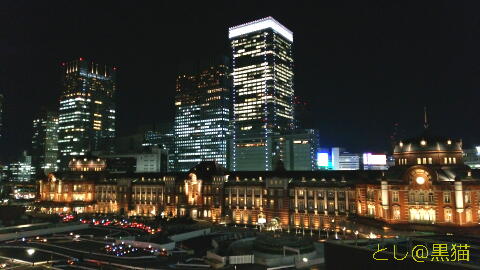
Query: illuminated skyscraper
87	109
262	91
22	170
45	143
202	114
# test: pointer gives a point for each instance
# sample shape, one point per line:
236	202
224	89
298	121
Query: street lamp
333	227
30	252
343	229
305	260
356	237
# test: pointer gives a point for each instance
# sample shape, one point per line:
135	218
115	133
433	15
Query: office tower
1	115
202	113
22	170
163	137
374	161
262	91
343	160
297	150
87	109
150	159
45	143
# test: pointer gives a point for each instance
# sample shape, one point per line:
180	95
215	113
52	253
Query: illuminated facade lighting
202	114
265	23
262	91
87	109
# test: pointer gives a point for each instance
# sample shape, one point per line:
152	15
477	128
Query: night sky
362	67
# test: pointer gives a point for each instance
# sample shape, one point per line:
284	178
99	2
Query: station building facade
429	184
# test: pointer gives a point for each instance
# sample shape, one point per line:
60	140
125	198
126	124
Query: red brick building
429	184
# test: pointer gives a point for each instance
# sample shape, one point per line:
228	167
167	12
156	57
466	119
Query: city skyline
239	135
347	106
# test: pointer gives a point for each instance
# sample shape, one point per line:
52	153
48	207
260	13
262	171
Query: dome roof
426	143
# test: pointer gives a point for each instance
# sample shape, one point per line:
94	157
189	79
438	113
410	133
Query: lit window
396	212
371	210
448	214
411	197
446	197
395	196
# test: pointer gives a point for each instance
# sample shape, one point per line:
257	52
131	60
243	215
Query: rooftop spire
425	124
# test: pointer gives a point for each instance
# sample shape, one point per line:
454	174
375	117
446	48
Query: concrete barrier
213	256
271	260
39	249
59	229
188	235
96	253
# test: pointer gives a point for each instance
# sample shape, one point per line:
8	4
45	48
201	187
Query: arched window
371	209
414	214
421	197
396	212
411	196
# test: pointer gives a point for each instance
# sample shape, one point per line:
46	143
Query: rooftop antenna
425	125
